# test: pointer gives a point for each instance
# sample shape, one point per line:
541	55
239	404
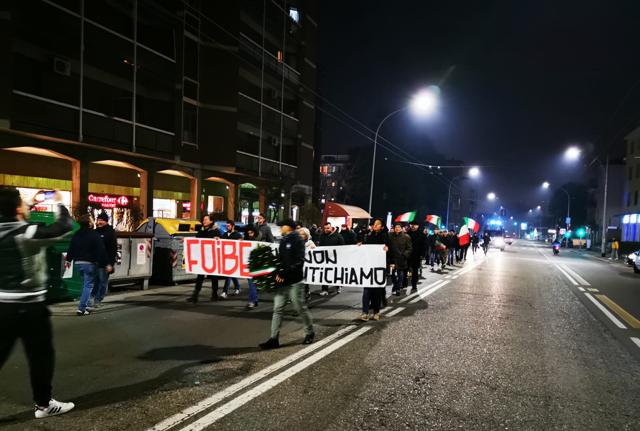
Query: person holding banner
209	230
231	234
289	278
374	297
308	244
251	234
329	238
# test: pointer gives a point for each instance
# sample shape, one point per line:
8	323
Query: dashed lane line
576	276
429	292
396	311
636	341
189	412
244	398
423	289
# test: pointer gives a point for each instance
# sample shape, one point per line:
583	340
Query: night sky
528	78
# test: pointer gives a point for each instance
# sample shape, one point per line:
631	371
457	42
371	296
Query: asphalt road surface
519	339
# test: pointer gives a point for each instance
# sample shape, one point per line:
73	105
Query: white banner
348	265
215	256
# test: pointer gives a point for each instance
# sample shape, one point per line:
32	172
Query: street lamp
545	185
473	172
491	196
572	153
423	104
538	208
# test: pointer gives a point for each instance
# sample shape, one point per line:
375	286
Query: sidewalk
596	254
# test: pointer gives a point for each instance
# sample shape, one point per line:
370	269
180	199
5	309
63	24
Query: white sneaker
324	293
223	295
54	408
236	292
338	290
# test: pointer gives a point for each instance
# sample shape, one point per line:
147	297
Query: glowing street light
538	208
491	196
545	185
474	172
572	153
423	104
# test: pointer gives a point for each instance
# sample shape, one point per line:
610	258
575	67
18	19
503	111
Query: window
215	204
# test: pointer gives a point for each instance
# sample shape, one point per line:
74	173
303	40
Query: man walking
374	297
399	251
88	254
615	247
348	235
264	231
23	288
209	230
108	236
231	234
289	279
329	238
418	247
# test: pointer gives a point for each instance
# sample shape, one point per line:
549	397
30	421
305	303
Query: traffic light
581	232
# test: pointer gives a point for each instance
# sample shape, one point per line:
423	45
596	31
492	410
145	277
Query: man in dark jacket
290	280
88	254
108	236
399	251
23	287
348	235
418	246
431	253
452	245
375	297
329	238
209	230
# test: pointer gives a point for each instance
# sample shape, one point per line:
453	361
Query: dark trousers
32	324
371	299
415	272
450	256
200	280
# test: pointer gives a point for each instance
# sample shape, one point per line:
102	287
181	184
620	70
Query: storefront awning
333	209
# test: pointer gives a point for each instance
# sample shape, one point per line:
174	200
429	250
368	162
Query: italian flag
463	237
262	271
472	224
433	219
408	217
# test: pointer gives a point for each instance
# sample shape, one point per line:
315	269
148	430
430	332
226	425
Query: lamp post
423	104
473	173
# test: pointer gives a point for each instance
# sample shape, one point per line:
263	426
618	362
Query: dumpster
134	260
168	258
58	288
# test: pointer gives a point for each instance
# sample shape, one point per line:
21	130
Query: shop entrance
172	195
248	202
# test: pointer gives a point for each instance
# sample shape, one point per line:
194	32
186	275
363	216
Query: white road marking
606	312
429	292
454	277
241	400
576	275
447	276
580	289
408	297
575	283
396	311
219	396
636	341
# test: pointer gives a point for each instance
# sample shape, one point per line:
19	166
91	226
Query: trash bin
58	289
134	260
168	258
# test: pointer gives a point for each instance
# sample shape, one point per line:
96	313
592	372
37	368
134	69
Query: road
517	340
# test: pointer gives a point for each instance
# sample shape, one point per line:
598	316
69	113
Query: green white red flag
472	224
463	237
407	217
433	219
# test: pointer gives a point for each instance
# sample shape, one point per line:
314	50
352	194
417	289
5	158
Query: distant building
626	212
335	171
172	107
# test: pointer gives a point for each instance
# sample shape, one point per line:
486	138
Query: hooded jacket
291	252
399	249
23	259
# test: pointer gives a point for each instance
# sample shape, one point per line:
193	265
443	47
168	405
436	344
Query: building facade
167	108
628	217
335	173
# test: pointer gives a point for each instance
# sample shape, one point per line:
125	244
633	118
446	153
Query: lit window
625	219
294	14
633	219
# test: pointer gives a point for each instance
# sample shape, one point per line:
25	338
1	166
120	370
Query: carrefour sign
109	201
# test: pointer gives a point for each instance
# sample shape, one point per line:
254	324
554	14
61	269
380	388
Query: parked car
636	265
631	257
